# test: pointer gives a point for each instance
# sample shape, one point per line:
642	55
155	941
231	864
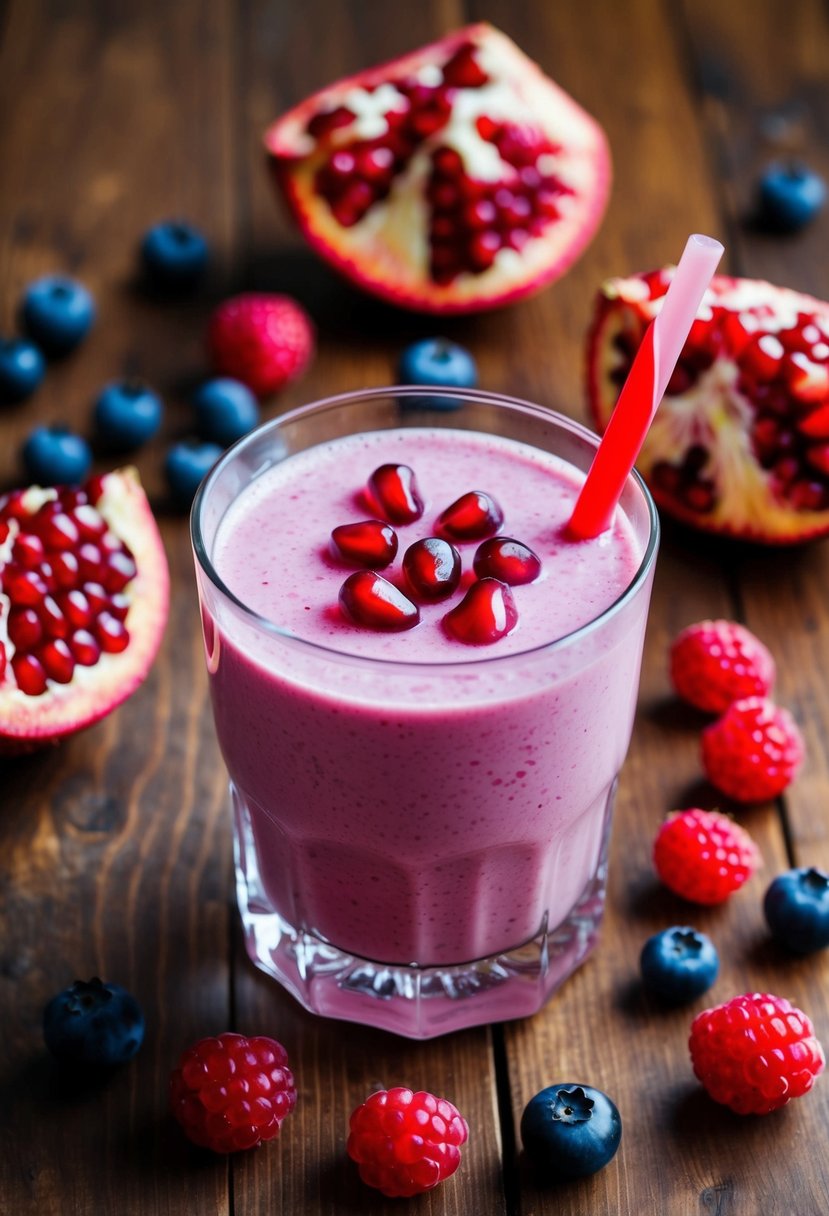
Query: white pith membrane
389	246
713	413
93	691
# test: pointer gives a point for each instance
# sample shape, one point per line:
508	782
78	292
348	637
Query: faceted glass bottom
414	1001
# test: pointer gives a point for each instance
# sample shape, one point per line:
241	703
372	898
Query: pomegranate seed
118	605
442	228
394	489
485	614
85	650
425	122
808	496
97	596
369	599
326	121
443	195
65	568
4	531
29	674
23	587
818	457
432	568
480	214
483	248
56	659
342	164
110	543
25	629
447	162
736	331
473	516
90	565
815	424
375	163
508	560
370	543
463	70
761	356
547	204
58	531
111	633
72	497
90	523
487	128
119	570
54	622
530	178
75	607
48	575
95	487
808	381
28	550
786	470
516	238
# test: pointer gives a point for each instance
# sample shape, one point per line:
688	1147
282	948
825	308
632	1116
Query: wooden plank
115	845
600	1028
283	58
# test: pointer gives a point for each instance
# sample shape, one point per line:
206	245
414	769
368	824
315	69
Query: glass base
414	1001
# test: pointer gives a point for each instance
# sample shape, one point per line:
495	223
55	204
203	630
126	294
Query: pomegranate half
84	596
452	180
740	443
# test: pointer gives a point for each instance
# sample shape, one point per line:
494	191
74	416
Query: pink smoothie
413	799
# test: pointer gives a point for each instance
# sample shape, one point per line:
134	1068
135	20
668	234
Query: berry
127	414
755	1052
432	568
93	1023
393	489
508	560
473	516
186	465
225	410
438	362
796	908
704	856
715	663
789	196
57	313
21	369
570	1131
231	1093
263	340
486	614
368	599
174	254
54	455
370	543
405	1143
679	964
753	751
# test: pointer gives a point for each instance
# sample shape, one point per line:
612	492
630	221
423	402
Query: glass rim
516	404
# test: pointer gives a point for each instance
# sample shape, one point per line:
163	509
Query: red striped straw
644	389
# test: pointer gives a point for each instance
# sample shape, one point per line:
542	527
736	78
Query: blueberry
21	369
127	414
93	1023
437	362
790	196
54	455
796	907
174	254
57	313
679	964
570	1131
186	465
225	410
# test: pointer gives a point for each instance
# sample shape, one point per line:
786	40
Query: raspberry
263	340
755	1053
405	1143
715	663
232	1092
753	751
704	856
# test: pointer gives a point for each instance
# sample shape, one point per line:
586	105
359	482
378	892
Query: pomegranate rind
28	723
386	253
714	413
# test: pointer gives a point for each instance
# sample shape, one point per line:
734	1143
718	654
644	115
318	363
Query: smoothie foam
442	804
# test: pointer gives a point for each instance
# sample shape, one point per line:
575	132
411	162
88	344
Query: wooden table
116	846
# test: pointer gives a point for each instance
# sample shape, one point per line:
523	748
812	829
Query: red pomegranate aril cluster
65	585
432	568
